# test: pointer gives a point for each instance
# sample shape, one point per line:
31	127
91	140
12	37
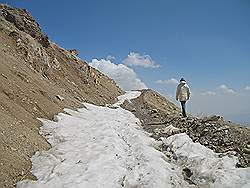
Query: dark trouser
183	107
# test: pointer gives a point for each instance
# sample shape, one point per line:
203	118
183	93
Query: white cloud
247	88
135	59
226	90
171	81
110	58
124	76
159	81
209	93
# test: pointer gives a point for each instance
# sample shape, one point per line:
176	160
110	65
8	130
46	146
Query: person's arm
177	92
188	92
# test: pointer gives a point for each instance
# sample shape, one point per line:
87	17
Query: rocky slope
162	118
37	80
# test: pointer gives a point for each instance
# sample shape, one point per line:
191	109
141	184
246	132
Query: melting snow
101	147
128	96
207	167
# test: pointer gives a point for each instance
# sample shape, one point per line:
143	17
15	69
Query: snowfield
101	147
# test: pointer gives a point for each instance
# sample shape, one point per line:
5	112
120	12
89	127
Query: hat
182	80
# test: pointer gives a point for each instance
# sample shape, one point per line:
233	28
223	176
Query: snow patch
127	96
100	147
207	167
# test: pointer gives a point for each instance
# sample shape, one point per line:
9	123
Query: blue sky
205	41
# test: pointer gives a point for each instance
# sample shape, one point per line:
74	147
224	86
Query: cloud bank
208	93
231	106
124	76
135	59
247	88
110	58
226	90
171	81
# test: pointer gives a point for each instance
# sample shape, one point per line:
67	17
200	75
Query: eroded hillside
37	80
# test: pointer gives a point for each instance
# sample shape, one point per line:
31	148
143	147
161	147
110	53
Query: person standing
183	95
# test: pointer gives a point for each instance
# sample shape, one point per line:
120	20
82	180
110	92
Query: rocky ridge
162	119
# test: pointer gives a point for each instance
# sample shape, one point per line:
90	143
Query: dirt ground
38	82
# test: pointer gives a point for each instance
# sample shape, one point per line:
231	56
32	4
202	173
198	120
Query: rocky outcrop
162	119
23	21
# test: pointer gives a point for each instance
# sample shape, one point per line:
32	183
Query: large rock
24	22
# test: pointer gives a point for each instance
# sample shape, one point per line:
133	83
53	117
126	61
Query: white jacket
182	91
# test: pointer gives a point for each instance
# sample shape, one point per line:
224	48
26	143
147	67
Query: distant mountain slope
37	79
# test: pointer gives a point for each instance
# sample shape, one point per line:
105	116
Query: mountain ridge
38	79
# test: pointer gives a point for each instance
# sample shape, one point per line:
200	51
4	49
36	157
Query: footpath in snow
101	147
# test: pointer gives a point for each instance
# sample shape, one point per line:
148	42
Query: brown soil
37	80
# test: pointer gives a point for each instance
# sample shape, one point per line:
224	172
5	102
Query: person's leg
183	107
